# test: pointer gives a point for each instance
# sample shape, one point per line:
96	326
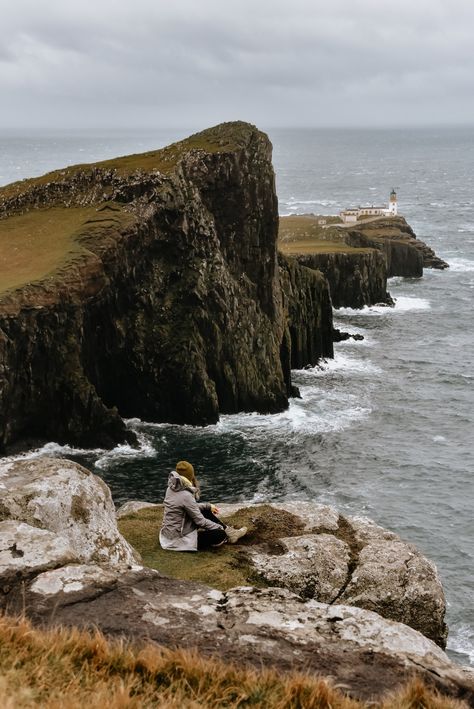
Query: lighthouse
393	205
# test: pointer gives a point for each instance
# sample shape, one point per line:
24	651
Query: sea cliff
357	259
149	286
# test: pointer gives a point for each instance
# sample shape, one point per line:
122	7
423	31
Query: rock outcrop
358	649
164	301
356	278
308	316
62	507
332	558
357	259
91	585
406	255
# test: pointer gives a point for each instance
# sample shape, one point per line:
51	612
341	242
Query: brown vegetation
72	669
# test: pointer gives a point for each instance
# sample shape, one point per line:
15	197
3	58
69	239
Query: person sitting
187	524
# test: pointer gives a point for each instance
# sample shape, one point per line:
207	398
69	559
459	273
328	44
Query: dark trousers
210	537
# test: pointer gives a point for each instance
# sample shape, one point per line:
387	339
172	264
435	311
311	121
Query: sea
384	429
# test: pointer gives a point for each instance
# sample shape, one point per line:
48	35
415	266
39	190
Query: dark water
385	429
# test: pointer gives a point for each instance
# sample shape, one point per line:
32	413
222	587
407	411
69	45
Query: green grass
32	245
38	244
316	246
223	567
302	235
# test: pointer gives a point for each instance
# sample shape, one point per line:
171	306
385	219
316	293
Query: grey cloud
155	62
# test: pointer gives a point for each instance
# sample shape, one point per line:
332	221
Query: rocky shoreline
64	562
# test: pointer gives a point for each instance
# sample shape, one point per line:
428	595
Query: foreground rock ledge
319	554
88	587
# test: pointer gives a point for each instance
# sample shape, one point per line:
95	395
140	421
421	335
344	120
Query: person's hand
214	510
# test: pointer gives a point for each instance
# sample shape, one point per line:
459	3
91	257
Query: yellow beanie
186	469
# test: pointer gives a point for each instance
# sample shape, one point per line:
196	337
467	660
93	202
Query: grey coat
182	515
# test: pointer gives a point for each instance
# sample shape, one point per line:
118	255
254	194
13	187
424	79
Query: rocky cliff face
357	260
308	315
166	301
405	254
355	278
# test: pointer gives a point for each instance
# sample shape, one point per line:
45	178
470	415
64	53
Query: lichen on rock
65	499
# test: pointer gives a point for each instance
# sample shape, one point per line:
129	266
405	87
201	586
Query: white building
353	214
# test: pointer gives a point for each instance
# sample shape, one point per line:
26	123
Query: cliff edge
356	259
146	286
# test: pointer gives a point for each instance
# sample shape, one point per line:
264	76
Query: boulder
26	551
313	565
132	506
394	579
330	557
65	499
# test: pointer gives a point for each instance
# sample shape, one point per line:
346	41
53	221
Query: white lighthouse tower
393	204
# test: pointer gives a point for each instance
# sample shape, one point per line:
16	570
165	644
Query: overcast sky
194	63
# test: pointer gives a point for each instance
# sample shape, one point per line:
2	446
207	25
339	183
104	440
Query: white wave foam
461	640
124	451
461	265
342	362
105	459
300	417
322	202
404	304
54	450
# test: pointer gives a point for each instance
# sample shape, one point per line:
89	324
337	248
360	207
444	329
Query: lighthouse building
353	214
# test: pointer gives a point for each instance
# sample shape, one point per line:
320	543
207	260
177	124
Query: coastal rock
308	315
55	579
84	579
165	305
65	499
406	254
128	508
26	551
313	566
356	278
313	550
394	579
274	628
356	259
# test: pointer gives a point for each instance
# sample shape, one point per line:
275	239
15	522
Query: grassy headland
305	234
34	244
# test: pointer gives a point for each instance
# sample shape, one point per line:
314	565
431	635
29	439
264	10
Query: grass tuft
72	669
